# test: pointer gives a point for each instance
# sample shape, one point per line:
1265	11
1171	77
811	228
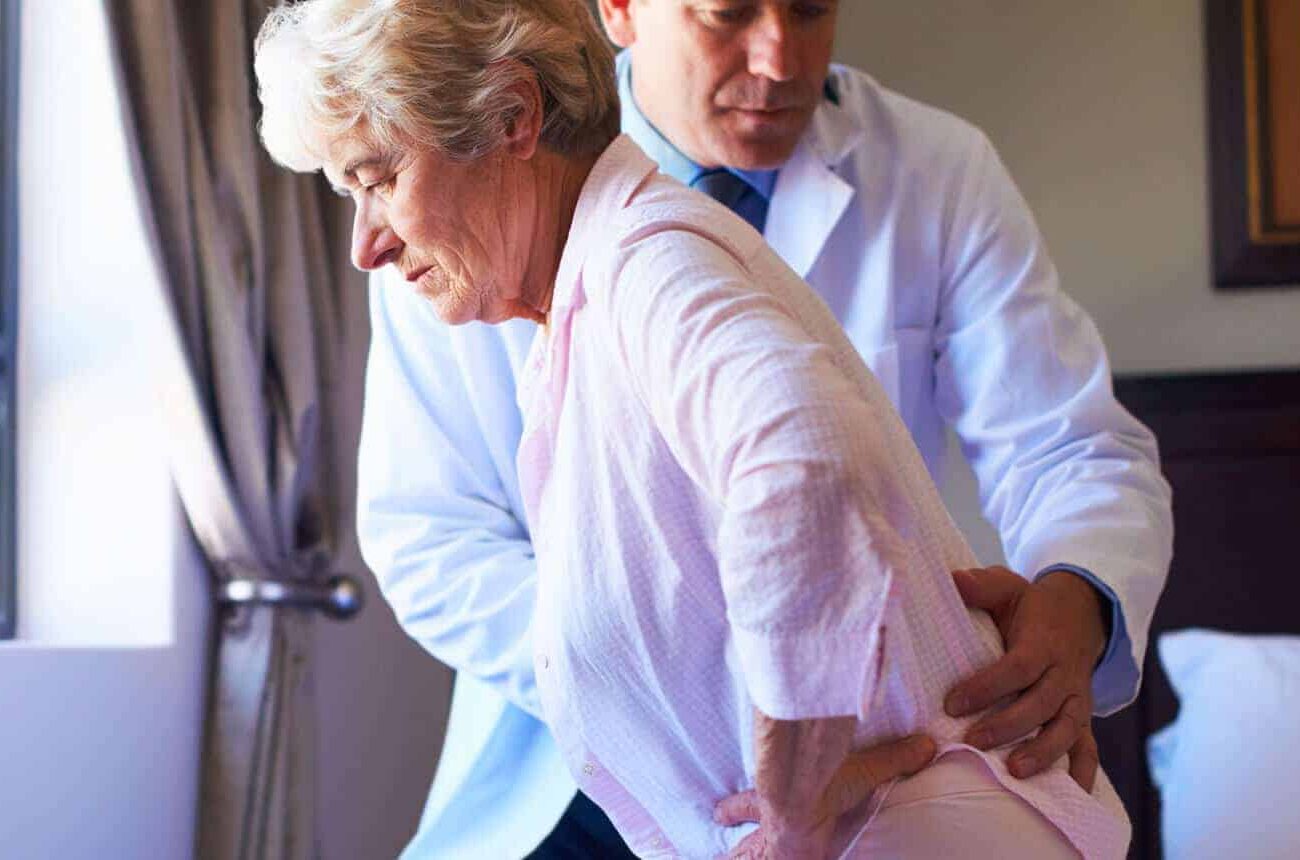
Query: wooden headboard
1230	448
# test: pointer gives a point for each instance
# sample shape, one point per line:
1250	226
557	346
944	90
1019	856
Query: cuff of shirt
810	675
1115	676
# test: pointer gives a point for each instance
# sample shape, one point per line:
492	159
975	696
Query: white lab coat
905	221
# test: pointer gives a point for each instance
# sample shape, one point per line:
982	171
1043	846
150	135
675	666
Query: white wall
1099	111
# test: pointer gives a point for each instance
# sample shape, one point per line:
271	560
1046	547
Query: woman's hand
798	798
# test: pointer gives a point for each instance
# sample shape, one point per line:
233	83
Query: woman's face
460	233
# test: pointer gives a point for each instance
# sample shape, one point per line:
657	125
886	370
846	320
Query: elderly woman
743	565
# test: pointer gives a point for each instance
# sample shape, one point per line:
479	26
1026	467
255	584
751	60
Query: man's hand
1054	631
861	773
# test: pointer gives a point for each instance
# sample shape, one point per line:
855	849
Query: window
96	525
8	303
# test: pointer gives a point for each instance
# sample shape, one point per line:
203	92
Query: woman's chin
450	309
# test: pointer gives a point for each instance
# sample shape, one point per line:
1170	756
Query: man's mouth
765	116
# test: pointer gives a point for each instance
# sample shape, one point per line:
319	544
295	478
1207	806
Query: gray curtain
253	260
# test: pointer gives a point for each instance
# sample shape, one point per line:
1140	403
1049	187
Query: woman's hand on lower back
793	825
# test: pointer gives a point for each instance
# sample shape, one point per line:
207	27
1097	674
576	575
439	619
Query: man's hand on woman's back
1054	631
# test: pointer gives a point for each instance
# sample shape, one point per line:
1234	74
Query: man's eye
729	16
811	10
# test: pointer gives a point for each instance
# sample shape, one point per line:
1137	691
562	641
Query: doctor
907	224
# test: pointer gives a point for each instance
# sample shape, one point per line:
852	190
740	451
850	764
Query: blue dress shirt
752	206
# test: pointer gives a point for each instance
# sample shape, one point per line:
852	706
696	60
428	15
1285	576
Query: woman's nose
374	244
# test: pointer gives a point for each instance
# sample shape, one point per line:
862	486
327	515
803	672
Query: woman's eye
383	187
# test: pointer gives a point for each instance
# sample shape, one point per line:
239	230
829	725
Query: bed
1230	447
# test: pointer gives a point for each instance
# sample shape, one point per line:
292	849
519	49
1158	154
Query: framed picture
1253	54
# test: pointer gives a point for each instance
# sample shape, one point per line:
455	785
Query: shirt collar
673	161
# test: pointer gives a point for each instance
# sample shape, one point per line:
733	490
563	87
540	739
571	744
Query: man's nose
772	52
374	244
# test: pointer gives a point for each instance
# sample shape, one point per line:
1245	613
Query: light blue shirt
670	159
904	221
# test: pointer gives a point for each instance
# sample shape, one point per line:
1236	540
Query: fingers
862	772
1030	710
884	762
1015	671
1084	760
1061	735
990	588
866	770
737	809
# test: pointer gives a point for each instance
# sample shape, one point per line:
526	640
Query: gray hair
435	74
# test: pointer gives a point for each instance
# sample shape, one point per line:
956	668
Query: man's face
730	82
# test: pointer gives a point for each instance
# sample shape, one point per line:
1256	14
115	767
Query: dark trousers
584	833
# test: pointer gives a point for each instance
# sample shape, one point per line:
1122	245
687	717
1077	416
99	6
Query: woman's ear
523	128
619	21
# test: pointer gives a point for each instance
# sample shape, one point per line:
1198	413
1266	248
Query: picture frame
1253	79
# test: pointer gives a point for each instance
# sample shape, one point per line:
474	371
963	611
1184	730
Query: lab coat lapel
809	198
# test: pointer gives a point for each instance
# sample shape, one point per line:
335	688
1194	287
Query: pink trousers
955	808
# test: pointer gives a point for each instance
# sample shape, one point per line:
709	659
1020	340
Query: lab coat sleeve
1066	475
434	521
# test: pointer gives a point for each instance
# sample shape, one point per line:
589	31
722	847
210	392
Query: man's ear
619	21
524	128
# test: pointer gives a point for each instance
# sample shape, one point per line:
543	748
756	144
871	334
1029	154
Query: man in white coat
904	220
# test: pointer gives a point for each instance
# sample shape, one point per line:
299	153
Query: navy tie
736	194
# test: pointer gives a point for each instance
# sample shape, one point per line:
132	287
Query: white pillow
1228	767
